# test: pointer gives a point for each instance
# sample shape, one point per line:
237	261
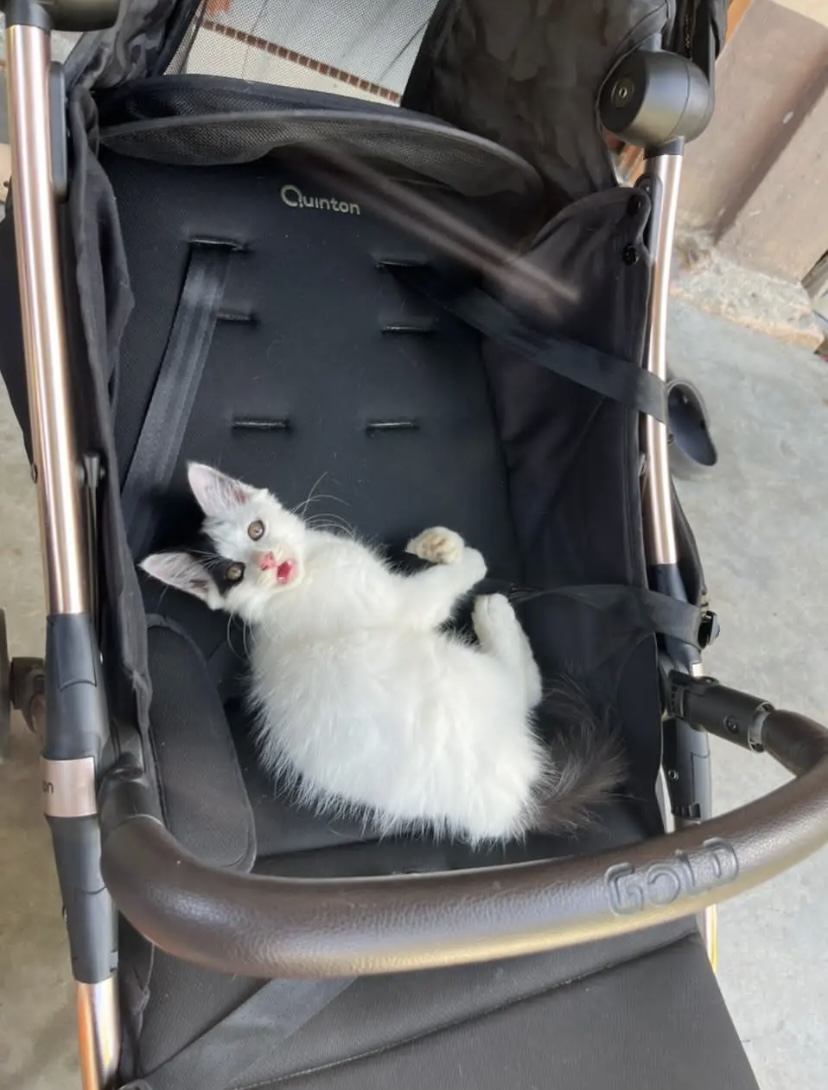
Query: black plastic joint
91	921
125	793
77	735
709	628
27	13
77	722
71	15
686	761
727	713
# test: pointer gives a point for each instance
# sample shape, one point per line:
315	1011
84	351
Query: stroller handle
285	927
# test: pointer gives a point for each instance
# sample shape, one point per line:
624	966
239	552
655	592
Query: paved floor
761	523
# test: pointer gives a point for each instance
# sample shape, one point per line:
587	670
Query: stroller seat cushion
217	800
201	791
328	381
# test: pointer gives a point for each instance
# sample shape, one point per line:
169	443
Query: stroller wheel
693	453
5	688
27	684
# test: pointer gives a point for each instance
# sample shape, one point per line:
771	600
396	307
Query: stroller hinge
686	760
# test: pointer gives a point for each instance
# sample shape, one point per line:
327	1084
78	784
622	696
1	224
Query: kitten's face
259	548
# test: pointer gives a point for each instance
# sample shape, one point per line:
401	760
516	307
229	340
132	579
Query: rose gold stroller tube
98	1033
663	170
68	769
662	176
56	463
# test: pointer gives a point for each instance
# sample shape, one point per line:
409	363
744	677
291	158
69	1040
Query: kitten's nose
267	562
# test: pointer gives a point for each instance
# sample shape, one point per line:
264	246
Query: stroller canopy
524	74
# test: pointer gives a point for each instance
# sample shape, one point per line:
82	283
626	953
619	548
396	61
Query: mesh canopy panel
211	121
364	48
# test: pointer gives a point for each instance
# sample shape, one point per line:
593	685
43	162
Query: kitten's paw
474	564
492	614
437	545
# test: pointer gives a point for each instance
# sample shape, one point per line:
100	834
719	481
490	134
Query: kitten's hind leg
501	635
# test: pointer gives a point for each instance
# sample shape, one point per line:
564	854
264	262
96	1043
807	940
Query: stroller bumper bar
283	927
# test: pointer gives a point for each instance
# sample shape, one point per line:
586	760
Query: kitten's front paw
437	545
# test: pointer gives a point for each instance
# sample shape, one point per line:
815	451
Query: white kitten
364	703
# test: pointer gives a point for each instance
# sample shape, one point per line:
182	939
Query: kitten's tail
586	763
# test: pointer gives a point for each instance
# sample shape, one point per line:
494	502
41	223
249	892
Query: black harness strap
619	379
230	1053
640	609
162	432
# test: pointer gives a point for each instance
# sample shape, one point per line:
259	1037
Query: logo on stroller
630	890
293	197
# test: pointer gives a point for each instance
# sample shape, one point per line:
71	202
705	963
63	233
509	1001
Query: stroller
415	277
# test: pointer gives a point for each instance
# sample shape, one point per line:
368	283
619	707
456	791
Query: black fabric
159	443
202	794
627	1028
181	1001
103	304
306	364
287	399
523	74
572	455
642	610
696	18
527	75
134	47
690	564
281	405
624	381
212	121
229	1054
629	1024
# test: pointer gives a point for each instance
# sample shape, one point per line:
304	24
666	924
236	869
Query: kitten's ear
179	570
216	492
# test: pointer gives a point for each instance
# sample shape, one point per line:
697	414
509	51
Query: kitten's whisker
301	507
331	522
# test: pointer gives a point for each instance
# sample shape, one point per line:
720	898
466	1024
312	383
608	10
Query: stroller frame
95	806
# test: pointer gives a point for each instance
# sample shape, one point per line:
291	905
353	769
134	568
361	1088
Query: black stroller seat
325	373
392	322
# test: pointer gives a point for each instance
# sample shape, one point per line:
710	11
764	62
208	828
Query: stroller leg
76	728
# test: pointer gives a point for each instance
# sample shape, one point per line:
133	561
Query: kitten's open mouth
286	571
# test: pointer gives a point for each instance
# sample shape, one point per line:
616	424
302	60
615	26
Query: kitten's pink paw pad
437	545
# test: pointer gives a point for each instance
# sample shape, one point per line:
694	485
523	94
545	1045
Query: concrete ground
761	524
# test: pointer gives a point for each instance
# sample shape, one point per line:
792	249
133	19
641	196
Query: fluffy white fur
363	701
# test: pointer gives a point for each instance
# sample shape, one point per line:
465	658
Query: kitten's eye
234	573
255	530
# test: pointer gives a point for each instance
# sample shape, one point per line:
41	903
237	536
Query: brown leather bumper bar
285	927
